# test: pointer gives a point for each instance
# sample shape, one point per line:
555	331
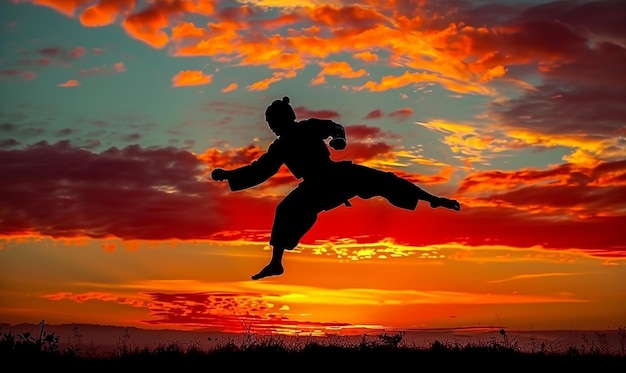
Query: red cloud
401	114
374	114
69	83
572	189
156	194
472	226
305	113
78	52
361	132
222	311
363	152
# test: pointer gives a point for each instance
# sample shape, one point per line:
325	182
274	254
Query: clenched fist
219	174
338	143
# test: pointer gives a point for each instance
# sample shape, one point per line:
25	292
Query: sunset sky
114	112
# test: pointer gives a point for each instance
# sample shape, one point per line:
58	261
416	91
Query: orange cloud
264	84
66	7
388	82
366	56
191	77
69	83
339	68
231	87
204	7
219	39
348	17
105	12
361	31
268	52
231	158
433	44
148	24
187	30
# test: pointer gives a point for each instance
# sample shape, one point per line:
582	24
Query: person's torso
303	149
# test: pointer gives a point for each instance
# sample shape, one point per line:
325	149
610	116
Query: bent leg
275	267
295	215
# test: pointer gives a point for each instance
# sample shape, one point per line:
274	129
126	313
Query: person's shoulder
275	145
314	121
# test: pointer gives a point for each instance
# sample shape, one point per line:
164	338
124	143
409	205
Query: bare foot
447	203
269	270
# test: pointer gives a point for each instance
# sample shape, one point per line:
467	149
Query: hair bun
286	99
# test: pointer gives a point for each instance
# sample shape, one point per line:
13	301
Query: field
382	352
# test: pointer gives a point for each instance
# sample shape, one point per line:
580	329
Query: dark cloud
25	75
565	194
603	18
9	143
305	113
63	54
362	131
577	97
577	49
63	191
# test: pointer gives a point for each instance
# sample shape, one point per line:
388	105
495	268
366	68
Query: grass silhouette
385	352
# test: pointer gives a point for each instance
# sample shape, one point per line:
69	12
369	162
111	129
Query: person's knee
286	207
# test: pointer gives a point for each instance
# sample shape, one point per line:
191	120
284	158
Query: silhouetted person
326	184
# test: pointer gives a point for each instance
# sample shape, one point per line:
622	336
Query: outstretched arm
250	175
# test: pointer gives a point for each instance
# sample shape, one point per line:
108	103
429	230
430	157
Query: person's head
279	115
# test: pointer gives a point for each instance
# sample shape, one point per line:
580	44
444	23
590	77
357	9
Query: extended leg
444	202
398	191
436	201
